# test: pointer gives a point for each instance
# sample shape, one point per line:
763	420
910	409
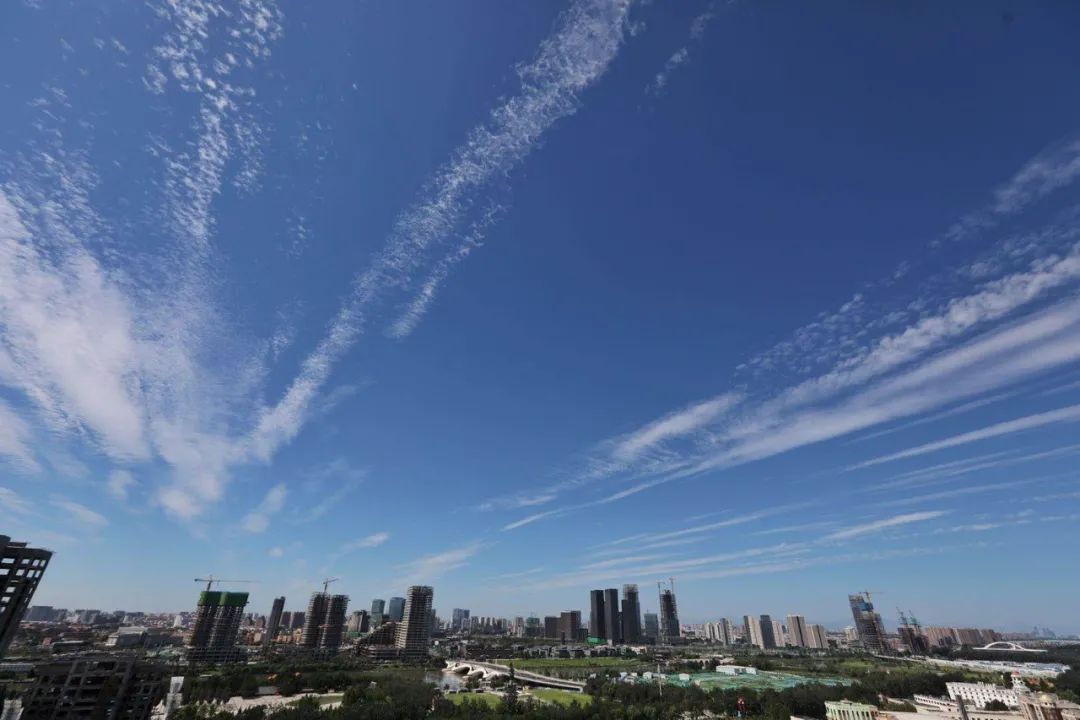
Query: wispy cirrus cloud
258	519
585	40
884	524
429	568
79	513
680	57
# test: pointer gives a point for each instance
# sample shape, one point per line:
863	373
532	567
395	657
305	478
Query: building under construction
669	613
217	624
868	625
324	625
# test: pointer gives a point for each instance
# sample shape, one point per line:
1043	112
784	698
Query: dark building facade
21	569
612	623
768	637
631	615
596	614
569	629
395	609
217	624
324	627
274	621
95	687
652	626
669	616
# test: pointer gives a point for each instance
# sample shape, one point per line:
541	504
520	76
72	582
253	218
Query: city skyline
579	295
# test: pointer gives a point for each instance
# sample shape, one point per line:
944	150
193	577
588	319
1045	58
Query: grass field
486	698
560	697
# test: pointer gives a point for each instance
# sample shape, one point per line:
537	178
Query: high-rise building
652	626
378	609
766	633
21	568
324	627
395	609
414	631
631	614
103	687
551	627
817	638
274	622
796	631
597	629
868	625
299	617
779	634
569	627
727	632
358	622
459	619
612	623
216	626
669	616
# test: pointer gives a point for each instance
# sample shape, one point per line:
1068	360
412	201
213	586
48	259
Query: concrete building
414	632
1045	706
551	626
818	638
395	609
274	622
569	628
669	616
797	634
766	633
217	624
612	621
459	619
977	695
779	634
847	710
21	568
325	624
868	626
631	614
358	622
95	687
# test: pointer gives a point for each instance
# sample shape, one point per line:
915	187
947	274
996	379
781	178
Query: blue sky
521	299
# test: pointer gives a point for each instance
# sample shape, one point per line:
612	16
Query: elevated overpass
476	668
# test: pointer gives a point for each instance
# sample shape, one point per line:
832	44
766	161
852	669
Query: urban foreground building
868	625
95	687
414	631
21	568
217	624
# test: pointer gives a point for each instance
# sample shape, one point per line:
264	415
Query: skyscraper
818	639
779	636
596	614
274	622
727	632
868	625
217	623
324	626
21	568
459	619
766	633
669	616
569	626
652	626
396	609
378	607
414	631
631	615
797	634
612	624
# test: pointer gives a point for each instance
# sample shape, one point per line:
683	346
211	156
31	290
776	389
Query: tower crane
326	584
211	580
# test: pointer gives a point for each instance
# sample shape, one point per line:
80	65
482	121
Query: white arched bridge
480	670
1009	647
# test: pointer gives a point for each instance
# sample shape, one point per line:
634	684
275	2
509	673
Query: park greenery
401	693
